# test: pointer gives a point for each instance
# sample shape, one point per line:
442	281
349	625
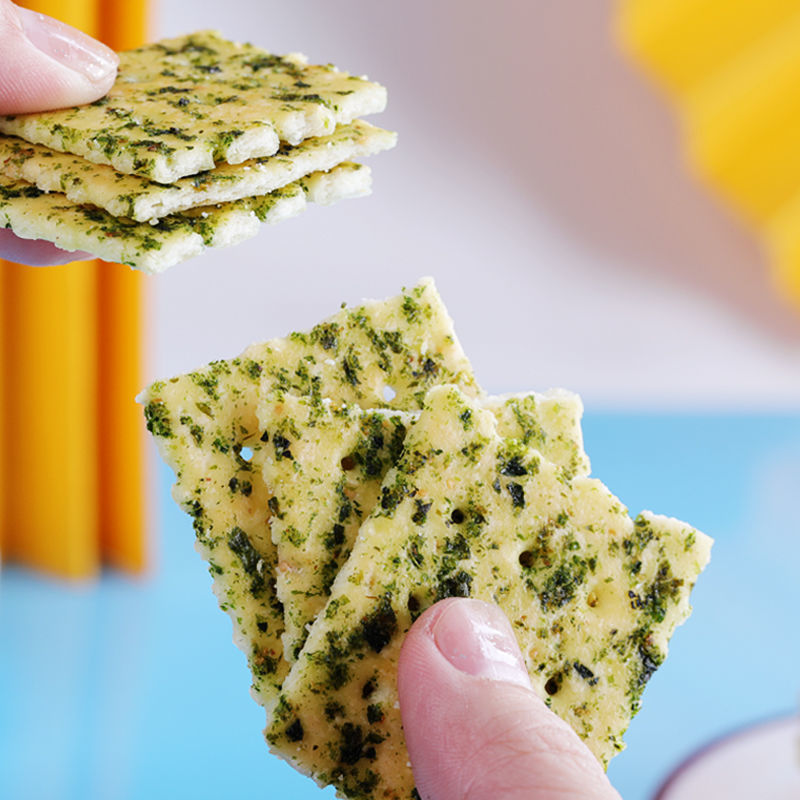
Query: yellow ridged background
73	463
732	68
123	25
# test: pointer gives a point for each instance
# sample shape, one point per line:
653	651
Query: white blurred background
538	178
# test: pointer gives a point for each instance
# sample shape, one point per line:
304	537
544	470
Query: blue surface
132	689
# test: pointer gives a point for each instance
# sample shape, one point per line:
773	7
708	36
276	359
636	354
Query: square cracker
592	595
327	480
180	105
140	199
206	429
34	214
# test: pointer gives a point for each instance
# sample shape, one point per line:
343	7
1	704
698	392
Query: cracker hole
457	517
526	558
551	687
389	393
413	604
348	463
246	453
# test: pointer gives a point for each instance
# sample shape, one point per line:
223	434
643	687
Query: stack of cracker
199	141
344	479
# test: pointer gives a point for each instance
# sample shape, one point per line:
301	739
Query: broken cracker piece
593	596
329	480
379	354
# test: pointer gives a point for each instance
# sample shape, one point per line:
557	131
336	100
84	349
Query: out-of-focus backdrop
539	179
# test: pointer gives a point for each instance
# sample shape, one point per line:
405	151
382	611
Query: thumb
473	725
45	64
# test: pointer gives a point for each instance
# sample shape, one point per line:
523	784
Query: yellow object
73	462
51	375
123	512
733	69
50	447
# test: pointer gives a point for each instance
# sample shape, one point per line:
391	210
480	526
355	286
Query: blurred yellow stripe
683	41
123	25
123	511
783	244
73	463
748	102
51	444
50	405
733	69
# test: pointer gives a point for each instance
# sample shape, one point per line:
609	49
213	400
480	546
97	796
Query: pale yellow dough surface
207	430
592	594
332	479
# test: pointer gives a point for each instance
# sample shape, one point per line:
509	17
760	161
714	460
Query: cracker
206	428
34	214
592	595
140	199
549	421
322	485
331	481
181	105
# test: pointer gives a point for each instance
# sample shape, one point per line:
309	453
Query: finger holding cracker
46	64
196	136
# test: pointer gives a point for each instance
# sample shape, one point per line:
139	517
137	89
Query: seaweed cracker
181	105
201	137
34	214
343	480
206	428
549	421
339	455
593	595
141	199
331	483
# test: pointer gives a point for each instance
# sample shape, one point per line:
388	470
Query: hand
45	64
474	727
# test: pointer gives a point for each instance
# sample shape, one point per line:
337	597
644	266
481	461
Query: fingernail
68	46
477	638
